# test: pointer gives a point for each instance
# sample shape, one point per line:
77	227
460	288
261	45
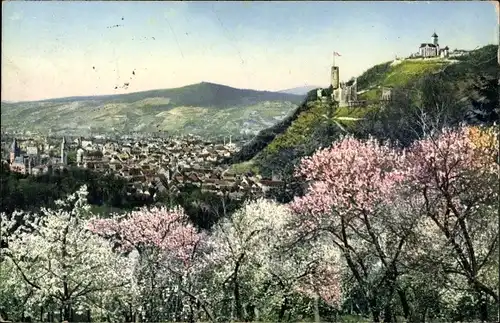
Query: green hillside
387	75
399	74
279	148
206	109
307	122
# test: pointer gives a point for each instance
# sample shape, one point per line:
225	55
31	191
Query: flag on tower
336	54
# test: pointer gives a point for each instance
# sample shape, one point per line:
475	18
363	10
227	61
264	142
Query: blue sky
56	49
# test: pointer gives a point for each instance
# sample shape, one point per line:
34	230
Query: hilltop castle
345	93
427	50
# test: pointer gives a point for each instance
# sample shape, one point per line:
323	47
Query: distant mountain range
206	109
301	90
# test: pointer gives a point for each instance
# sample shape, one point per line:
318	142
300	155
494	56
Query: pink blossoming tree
453	177
164	244
393	213
350	186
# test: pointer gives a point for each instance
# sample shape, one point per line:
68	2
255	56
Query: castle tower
354	95
335	77
335	73
14	152
63	151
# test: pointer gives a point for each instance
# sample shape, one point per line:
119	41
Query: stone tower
335	77
63	151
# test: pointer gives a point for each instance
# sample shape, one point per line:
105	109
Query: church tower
63	151
14	152
435	39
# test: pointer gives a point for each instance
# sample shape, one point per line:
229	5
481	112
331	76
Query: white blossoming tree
61	266
257	272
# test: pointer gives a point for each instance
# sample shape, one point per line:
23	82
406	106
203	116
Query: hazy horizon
66	49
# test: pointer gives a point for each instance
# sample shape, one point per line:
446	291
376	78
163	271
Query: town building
30	161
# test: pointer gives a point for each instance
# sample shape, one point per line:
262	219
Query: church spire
14	151
14	145
63	151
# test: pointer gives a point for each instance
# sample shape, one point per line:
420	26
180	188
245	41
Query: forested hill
203	94
462	89
206	109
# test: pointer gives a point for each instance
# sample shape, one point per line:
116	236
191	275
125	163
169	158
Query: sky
60	49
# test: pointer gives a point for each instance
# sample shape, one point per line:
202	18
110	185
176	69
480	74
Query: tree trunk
387	312
317	318
482	306
67	312
236	289
404	303
178	305
237	301
374	309
283	309
191	313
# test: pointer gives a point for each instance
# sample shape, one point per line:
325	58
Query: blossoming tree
60	265
257	271
350	186
395	214
454	176
164	243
